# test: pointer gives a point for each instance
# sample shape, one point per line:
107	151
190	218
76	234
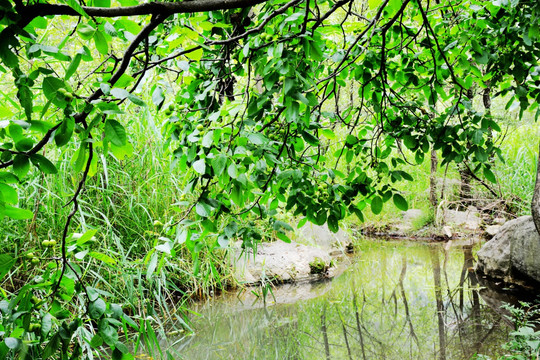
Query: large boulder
514	253
280	262
464	220
322	237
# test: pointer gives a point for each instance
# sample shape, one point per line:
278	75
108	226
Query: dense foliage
308	106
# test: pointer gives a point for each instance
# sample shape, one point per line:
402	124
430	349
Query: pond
396	300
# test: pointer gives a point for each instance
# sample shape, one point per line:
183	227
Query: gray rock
407	220
411	215
277	261
447	231
492	230
322	237
469	219
494	256
513	253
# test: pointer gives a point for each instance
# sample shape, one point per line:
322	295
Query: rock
279	261
322	237
514	253
492	230
406	224
447	231
499	221
408	219
469	219
411	215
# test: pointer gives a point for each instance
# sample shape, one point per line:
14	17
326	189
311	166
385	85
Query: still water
396	300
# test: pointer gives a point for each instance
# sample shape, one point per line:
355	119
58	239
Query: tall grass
121	201
517	174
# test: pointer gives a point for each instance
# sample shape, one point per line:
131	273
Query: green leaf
478	136
195	55
480	154
288	85
419	157
52	346
64	132
157	97
200	166
13	343
282	226
87	236
376	205
43	164
97	309
17	213
46	324
72	68
283	237
102	257
9	194
101	43
208	139
410	142
96	341
257	138
74	4
115	133
219	163
333	224
310	139
21	165
119	93
6	263
400	202
25	96
232	171
107	332
203	209
51	85
80	157
490	175
152	265
135	99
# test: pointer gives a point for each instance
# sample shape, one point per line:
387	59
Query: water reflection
396	301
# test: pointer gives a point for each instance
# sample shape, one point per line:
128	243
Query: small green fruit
200	127
52	243
158	224
282	78
30	255
45	243
171	107
34	261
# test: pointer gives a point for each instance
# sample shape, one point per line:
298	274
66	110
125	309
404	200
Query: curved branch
150	8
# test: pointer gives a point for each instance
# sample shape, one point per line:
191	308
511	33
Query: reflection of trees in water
453	323
396	302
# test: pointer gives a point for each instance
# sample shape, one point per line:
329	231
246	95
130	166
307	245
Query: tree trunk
465	191
535	205
433	180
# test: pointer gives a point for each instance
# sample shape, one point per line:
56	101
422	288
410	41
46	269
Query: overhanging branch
151	8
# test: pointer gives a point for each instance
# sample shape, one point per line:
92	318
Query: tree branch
150	8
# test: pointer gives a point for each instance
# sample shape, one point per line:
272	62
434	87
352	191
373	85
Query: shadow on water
397	300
